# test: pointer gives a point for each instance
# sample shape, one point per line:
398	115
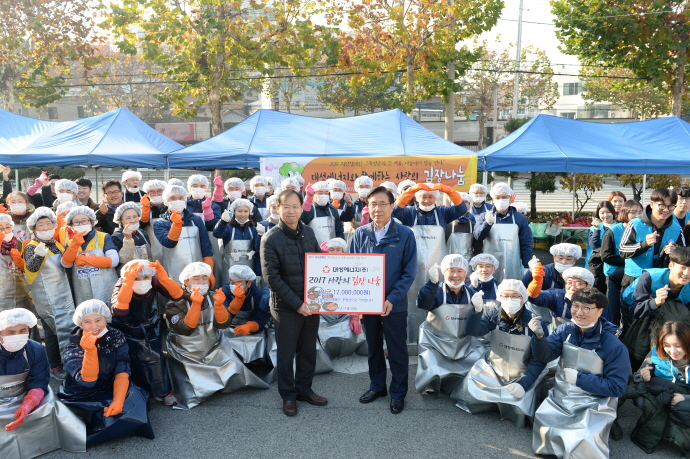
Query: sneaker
58	373
168	400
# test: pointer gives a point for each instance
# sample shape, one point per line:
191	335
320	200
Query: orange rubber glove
96	262
238	301
75	244
176	227
534	287
120	388
17	259
29	402
191	319
247	328
3	209
404	198
169	284
60	224
145	208
211	278
124	296
336	203
219	312
89	365
453	195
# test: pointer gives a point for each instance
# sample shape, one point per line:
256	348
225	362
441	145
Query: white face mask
81	228
322	199
560	267
234	195
18	209
427	208
198	193
363	193
64	197
451	285
501	204
45	235
177	206
133	190
103	332
337	195
203	288
260	191
510	305
585	327
142	287
478	199
14	343
134	226
485	279
156	200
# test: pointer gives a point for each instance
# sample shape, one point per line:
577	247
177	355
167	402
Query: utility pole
516	88
495	134
450	106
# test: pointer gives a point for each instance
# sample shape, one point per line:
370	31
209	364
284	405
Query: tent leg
167	175
16	179
644	189
574	190
484	177
98	199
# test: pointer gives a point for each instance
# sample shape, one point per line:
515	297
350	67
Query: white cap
337	242
7	218
174	190
175	181
126	175
41	212
241	272
86	210
501	188
241	202
270	181
484	258
567	249
520	207
478	187
271	201
257	179
339	184
321	186
197	179
124	207
515	285
198	268
146	270
64	184
154	185
418	195
65	207
17	316
90	307
363	181
290	182
390	186
453	261
405	184
234	182
579	273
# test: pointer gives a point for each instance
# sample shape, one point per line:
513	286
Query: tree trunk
410	86
533	197
9	95
679	82
216	115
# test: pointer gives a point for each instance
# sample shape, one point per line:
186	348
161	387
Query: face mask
177	206
14	343
501	204
485	279
363	193
234	195
427	208
203	288
45	235
337	195
18	209
585	327
142	287
81	228
260	191
322	199
510	305
156	200
450	285
560	267
133	190
103	332
198	193
64	197
134	226
478	199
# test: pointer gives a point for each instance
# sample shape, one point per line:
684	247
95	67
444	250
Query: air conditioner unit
615	114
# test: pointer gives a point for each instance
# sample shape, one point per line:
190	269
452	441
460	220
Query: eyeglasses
575	283
514	297
289	208
80	222
379	205
585	309
111	193
663	207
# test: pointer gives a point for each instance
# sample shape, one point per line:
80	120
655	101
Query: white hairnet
339	184
89	307
571	250
197	179
242	273
126	206
453	261
146	270
17	316
64	184
290	182
501	188
241	202
271	201
299	178
465	196
126	175
174	190
270	181
405	184
321	186
478	187
257	179
6	218
41	212
234	182
65	207
579	273
484	258
175	181
154	185
418	195
337	242
86	210
515	285
198	268
390	186
363	181
520	207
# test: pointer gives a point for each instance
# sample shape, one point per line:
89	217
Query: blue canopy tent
17	131
269	133
115	138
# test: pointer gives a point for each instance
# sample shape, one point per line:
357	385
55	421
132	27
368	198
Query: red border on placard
306	269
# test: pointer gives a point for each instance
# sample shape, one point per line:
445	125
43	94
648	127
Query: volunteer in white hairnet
273	217
131	179
14	288
259	187
236	189
484	267
199	203
565	256
478	194
131	240
320	214
66	191
243	300
341	200
241	240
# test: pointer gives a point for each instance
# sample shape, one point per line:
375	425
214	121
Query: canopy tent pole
574	188
484	177
98	199
166	175
16	179
644	189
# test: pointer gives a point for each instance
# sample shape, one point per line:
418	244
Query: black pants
296	337
52	346
393	328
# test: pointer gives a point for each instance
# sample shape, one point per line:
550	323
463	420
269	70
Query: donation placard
345	283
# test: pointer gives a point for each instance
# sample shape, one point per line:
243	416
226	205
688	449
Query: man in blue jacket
397	242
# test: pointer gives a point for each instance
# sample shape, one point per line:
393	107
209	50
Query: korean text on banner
349	283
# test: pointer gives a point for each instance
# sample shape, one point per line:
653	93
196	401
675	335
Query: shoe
169	400
314	399
397	406
58	373
289	407
369	396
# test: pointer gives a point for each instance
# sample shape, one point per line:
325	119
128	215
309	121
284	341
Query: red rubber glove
170	285
29	402
218	190
194	313
365	216
324	246
145	208
355	326
238	301
219	312
247	328
75	244
176	227
34	188
120	388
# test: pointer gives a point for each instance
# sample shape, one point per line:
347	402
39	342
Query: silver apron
337	338
53	298
323	362
251	347
324	227
187	250
446	352
572	423
50	426
204	363
90	282
485	387
503	242
21	232
217	249
431	248
264	213
156	247
460	243
14	288
236	253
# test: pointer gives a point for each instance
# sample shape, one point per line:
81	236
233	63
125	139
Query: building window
52	113
80	111
571	89
569	115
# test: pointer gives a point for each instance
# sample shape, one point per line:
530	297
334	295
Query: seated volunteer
199	203
341	200
243	301
446	351
235	189
202	362
565	256
320	214
509	363
241	241
617	198
34	421
682	205
14	288
84	186
182	235
135	313
575	419
505	233
93	255
131	241
482	279
258	187
20	209
112	199
478	194
649	239
131	179
273	216
97	386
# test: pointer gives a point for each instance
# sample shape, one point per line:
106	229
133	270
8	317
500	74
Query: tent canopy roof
17	131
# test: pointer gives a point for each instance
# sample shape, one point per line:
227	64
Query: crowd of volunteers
215	268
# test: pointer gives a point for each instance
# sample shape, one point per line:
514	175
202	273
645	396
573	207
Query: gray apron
323	361
446	352
14	289
337	339
90	282
187	250
324	227
572	423
217	249
503	242
431	248
156	247
460	243
204	363
21	231
251	347
50	426
236	253
264	211
53	298
486	386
